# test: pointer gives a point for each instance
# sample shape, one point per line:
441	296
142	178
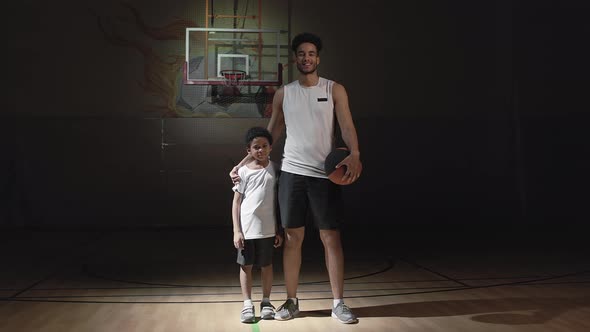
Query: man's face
307	58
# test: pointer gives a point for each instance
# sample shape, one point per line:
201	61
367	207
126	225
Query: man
306	108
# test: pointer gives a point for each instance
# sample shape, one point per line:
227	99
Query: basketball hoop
233	77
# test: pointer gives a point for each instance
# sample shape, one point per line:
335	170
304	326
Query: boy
254	221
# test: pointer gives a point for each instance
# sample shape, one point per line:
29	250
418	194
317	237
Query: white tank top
309	119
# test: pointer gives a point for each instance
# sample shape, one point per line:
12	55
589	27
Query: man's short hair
306	37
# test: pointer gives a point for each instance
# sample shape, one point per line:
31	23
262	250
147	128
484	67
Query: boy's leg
267	310
247	315
264	255
245	260
246	281
266	276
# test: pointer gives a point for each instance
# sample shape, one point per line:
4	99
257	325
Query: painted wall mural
161	50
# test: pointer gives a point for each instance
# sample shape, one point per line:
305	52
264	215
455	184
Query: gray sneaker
247	315
288	310
343	314
267	310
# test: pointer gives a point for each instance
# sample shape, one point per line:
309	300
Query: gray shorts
257	252
302	196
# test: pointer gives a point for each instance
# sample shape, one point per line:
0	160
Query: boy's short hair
257	132
306	37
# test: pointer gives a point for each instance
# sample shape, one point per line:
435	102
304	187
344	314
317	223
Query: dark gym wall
468	113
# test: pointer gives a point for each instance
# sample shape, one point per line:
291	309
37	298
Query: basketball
335	174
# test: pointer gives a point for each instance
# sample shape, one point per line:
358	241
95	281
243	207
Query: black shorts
302	196
257	252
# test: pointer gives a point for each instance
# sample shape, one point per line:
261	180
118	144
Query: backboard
257	52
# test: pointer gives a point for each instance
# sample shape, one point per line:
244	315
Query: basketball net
233	77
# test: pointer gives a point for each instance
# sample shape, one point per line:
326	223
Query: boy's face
260	148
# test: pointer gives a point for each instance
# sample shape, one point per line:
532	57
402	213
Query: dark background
470	115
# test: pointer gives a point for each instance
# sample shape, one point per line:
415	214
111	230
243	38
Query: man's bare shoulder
338	90
279	93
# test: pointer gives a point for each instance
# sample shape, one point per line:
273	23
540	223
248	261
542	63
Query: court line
390	265
68	261
515	283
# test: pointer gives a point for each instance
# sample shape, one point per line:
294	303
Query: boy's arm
237	228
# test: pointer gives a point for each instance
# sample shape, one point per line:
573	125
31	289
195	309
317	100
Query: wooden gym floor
395	280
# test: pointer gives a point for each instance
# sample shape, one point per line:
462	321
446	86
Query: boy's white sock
336	302
248	303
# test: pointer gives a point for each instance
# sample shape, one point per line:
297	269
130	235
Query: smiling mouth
306	67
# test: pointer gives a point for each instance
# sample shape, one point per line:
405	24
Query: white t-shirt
309	119
257	213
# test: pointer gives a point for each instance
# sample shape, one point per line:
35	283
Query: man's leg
327	208
334	260
335	265
291	267
292	259
293	204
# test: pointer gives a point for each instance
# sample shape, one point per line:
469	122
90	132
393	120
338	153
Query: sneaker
288	310
343	314
267	310
247	315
